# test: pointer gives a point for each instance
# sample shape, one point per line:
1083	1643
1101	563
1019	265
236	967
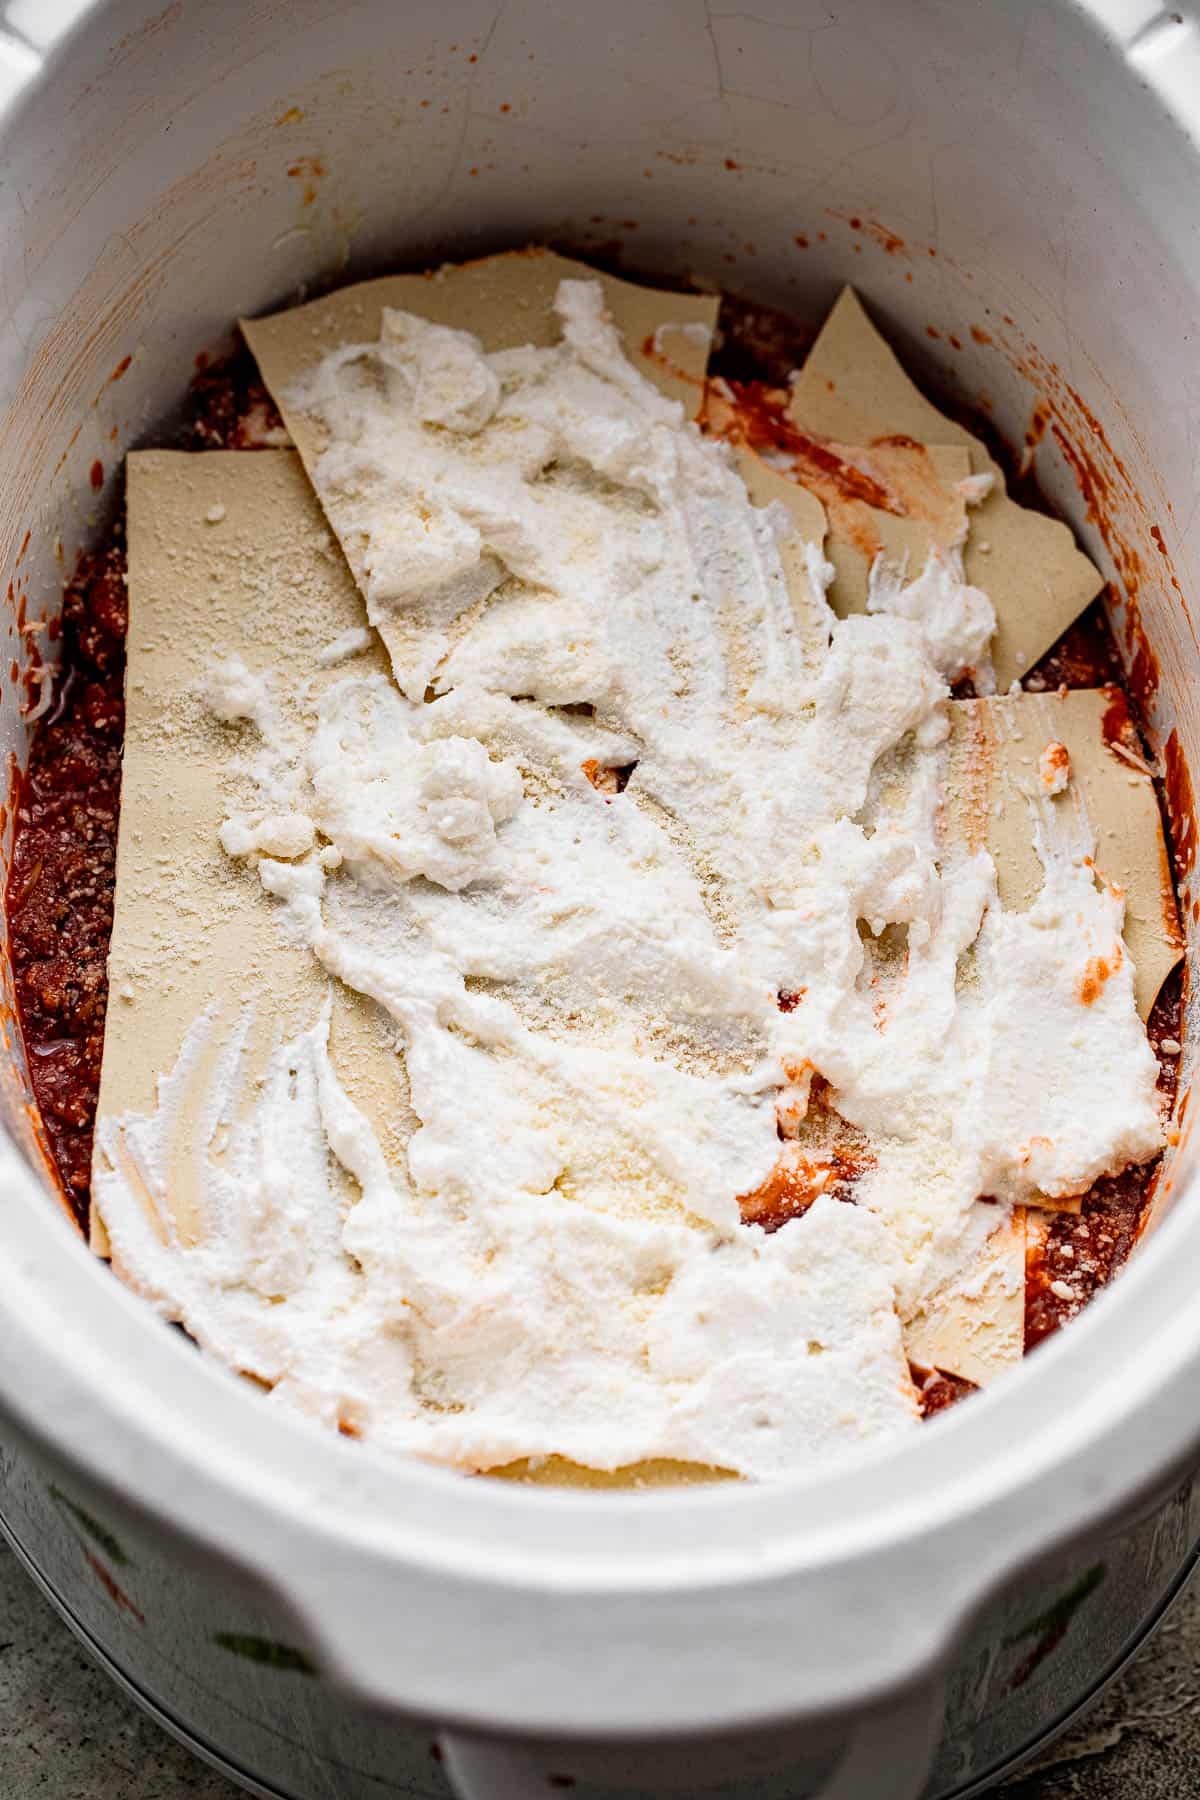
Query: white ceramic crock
305	1615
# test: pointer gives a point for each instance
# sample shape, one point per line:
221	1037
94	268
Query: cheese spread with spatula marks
655	869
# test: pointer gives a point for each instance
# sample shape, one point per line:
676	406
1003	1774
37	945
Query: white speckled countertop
67	1734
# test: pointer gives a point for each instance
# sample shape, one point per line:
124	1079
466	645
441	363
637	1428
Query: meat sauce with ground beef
61	884
62	878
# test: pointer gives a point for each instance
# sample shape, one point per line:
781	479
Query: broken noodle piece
502	301
853	389
894	499
1102	801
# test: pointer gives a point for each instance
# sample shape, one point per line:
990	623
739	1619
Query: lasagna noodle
1108	796
997	800
980	1333
926	508
934	519
228	556
502	300
852	389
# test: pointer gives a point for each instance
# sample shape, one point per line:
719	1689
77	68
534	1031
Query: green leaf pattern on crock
265	1651
100	1534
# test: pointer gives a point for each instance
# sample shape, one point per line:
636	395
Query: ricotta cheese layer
655	866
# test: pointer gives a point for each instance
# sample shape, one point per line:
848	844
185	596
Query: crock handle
890	1752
